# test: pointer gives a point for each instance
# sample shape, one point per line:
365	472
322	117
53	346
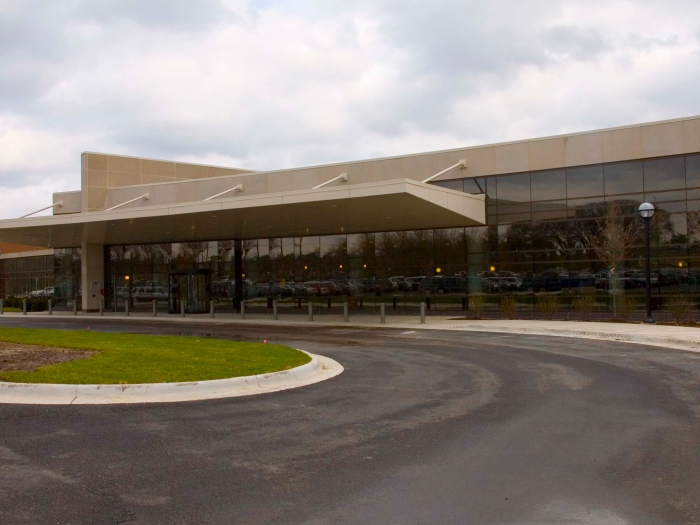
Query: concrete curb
318	369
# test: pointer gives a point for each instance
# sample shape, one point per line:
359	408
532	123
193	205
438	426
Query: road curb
318	369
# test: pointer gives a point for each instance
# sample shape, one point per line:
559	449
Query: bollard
393	301
24	307
382	313
422	313
464	303
75	306
361	303
182	308
211	308
2	306
311	311
274	310
50	304
155	308
243	309
345	312
329	303
126	307
102	306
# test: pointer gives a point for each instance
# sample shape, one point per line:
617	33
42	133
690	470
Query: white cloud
266	84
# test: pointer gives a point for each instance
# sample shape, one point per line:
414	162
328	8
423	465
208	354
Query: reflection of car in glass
412	284
44	292
509	284
149	293
443	285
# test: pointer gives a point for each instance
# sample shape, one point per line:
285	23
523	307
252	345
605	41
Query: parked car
444	285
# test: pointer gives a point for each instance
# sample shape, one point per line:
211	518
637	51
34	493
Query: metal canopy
394	205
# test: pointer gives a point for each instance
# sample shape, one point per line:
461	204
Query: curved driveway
425	427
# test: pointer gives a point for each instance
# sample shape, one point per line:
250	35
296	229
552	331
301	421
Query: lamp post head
646	210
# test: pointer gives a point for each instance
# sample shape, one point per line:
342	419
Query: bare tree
614	243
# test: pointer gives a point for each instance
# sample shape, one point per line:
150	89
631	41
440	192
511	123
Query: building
518	218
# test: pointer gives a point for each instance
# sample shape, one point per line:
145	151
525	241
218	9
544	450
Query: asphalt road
423	427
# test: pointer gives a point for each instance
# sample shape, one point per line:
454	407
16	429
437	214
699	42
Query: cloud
271	84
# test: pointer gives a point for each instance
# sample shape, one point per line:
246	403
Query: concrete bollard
211	308
155	308
2	307
75	306
126	308
345	312
382	313
24	307
50	305
182	308
274	310
422	313
311	311
243	309
102	306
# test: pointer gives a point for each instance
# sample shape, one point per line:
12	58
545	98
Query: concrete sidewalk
677	337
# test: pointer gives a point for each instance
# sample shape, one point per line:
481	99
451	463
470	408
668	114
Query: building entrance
191	289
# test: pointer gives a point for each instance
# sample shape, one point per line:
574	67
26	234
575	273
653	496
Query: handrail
461	165
59	204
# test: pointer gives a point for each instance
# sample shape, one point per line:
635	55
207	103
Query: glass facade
539	240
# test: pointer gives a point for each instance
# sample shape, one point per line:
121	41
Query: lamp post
646	211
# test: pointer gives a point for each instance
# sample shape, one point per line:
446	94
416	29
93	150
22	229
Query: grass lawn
131	358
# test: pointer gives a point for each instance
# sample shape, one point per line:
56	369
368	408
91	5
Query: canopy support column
92	274
238	274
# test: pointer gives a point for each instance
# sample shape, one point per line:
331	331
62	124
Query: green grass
12	309
131	358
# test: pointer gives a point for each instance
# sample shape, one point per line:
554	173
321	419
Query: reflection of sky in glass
514	188
549	185
664	174
584	182
624	177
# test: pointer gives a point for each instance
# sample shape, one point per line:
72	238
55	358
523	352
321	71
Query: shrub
38	304
477	303
508	306
626	305
548	305
584	304
679	306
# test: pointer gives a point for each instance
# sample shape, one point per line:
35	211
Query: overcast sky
266	84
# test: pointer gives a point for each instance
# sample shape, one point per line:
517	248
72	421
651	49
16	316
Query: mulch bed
27	358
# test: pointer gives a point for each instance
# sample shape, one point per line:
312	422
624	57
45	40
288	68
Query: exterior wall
581	149
72	202
100	172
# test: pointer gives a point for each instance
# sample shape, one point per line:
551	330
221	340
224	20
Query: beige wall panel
220	172
72	202
622	144
584	149
662	139
96	198
153	179
98	178
186	192
512	158
190	171
480	161
547	154
97	162
161	195
277	182
441	161
159	168
83	181
363	172
691	135
125	165
307	179
252	185
117	180
418	167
